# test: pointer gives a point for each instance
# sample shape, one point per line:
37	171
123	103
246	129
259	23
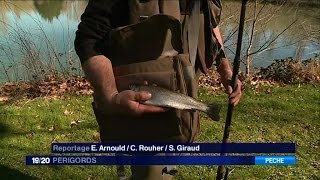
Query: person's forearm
224	68
98	70
217	33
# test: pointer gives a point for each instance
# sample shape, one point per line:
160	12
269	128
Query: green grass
269	114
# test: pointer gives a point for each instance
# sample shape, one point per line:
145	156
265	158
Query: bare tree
260	15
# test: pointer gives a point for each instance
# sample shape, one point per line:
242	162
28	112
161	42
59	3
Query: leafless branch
268	43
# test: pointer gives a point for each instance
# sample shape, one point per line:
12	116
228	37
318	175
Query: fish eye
133	87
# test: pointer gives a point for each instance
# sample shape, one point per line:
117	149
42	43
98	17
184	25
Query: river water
45	30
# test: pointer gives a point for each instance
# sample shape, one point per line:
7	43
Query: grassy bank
266	114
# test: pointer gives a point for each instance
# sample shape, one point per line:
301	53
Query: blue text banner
173	148
157	160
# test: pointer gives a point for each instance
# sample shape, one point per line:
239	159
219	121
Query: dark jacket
99	18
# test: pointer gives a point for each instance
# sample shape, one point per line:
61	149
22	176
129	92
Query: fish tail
213	111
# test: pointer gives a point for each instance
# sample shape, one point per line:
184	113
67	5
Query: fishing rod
236	66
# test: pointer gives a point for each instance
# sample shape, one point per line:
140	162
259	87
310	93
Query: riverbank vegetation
285	71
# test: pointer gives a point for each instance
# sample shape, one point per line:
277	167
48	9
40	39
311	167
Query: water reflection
49	9
274	25
45	27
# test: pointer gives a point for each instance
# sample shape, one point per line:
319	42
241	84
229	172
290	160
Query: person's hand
131	102
234	97
225	72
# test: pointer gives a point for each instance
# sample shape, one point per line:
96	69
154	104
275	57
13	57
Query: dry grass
293	71
52	87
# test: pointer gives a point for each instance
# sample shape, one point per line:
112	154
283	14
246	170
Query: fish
166	98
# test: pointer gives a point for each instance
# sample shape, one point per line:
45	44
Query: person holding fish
127	47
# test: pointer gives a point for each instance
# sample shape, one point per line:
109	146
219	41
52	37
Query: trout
165	98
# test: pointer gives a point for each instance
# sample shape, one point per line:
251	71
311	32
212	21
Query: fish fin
213	111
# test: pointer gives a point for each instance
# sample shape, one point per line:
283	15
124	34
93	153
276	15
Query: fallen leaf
75	123
4	98
316	164
63	86
66	112
51	129
65	135
29	135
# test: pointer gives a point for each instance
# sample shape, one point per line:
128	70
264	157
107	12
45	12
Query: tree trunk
252	34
